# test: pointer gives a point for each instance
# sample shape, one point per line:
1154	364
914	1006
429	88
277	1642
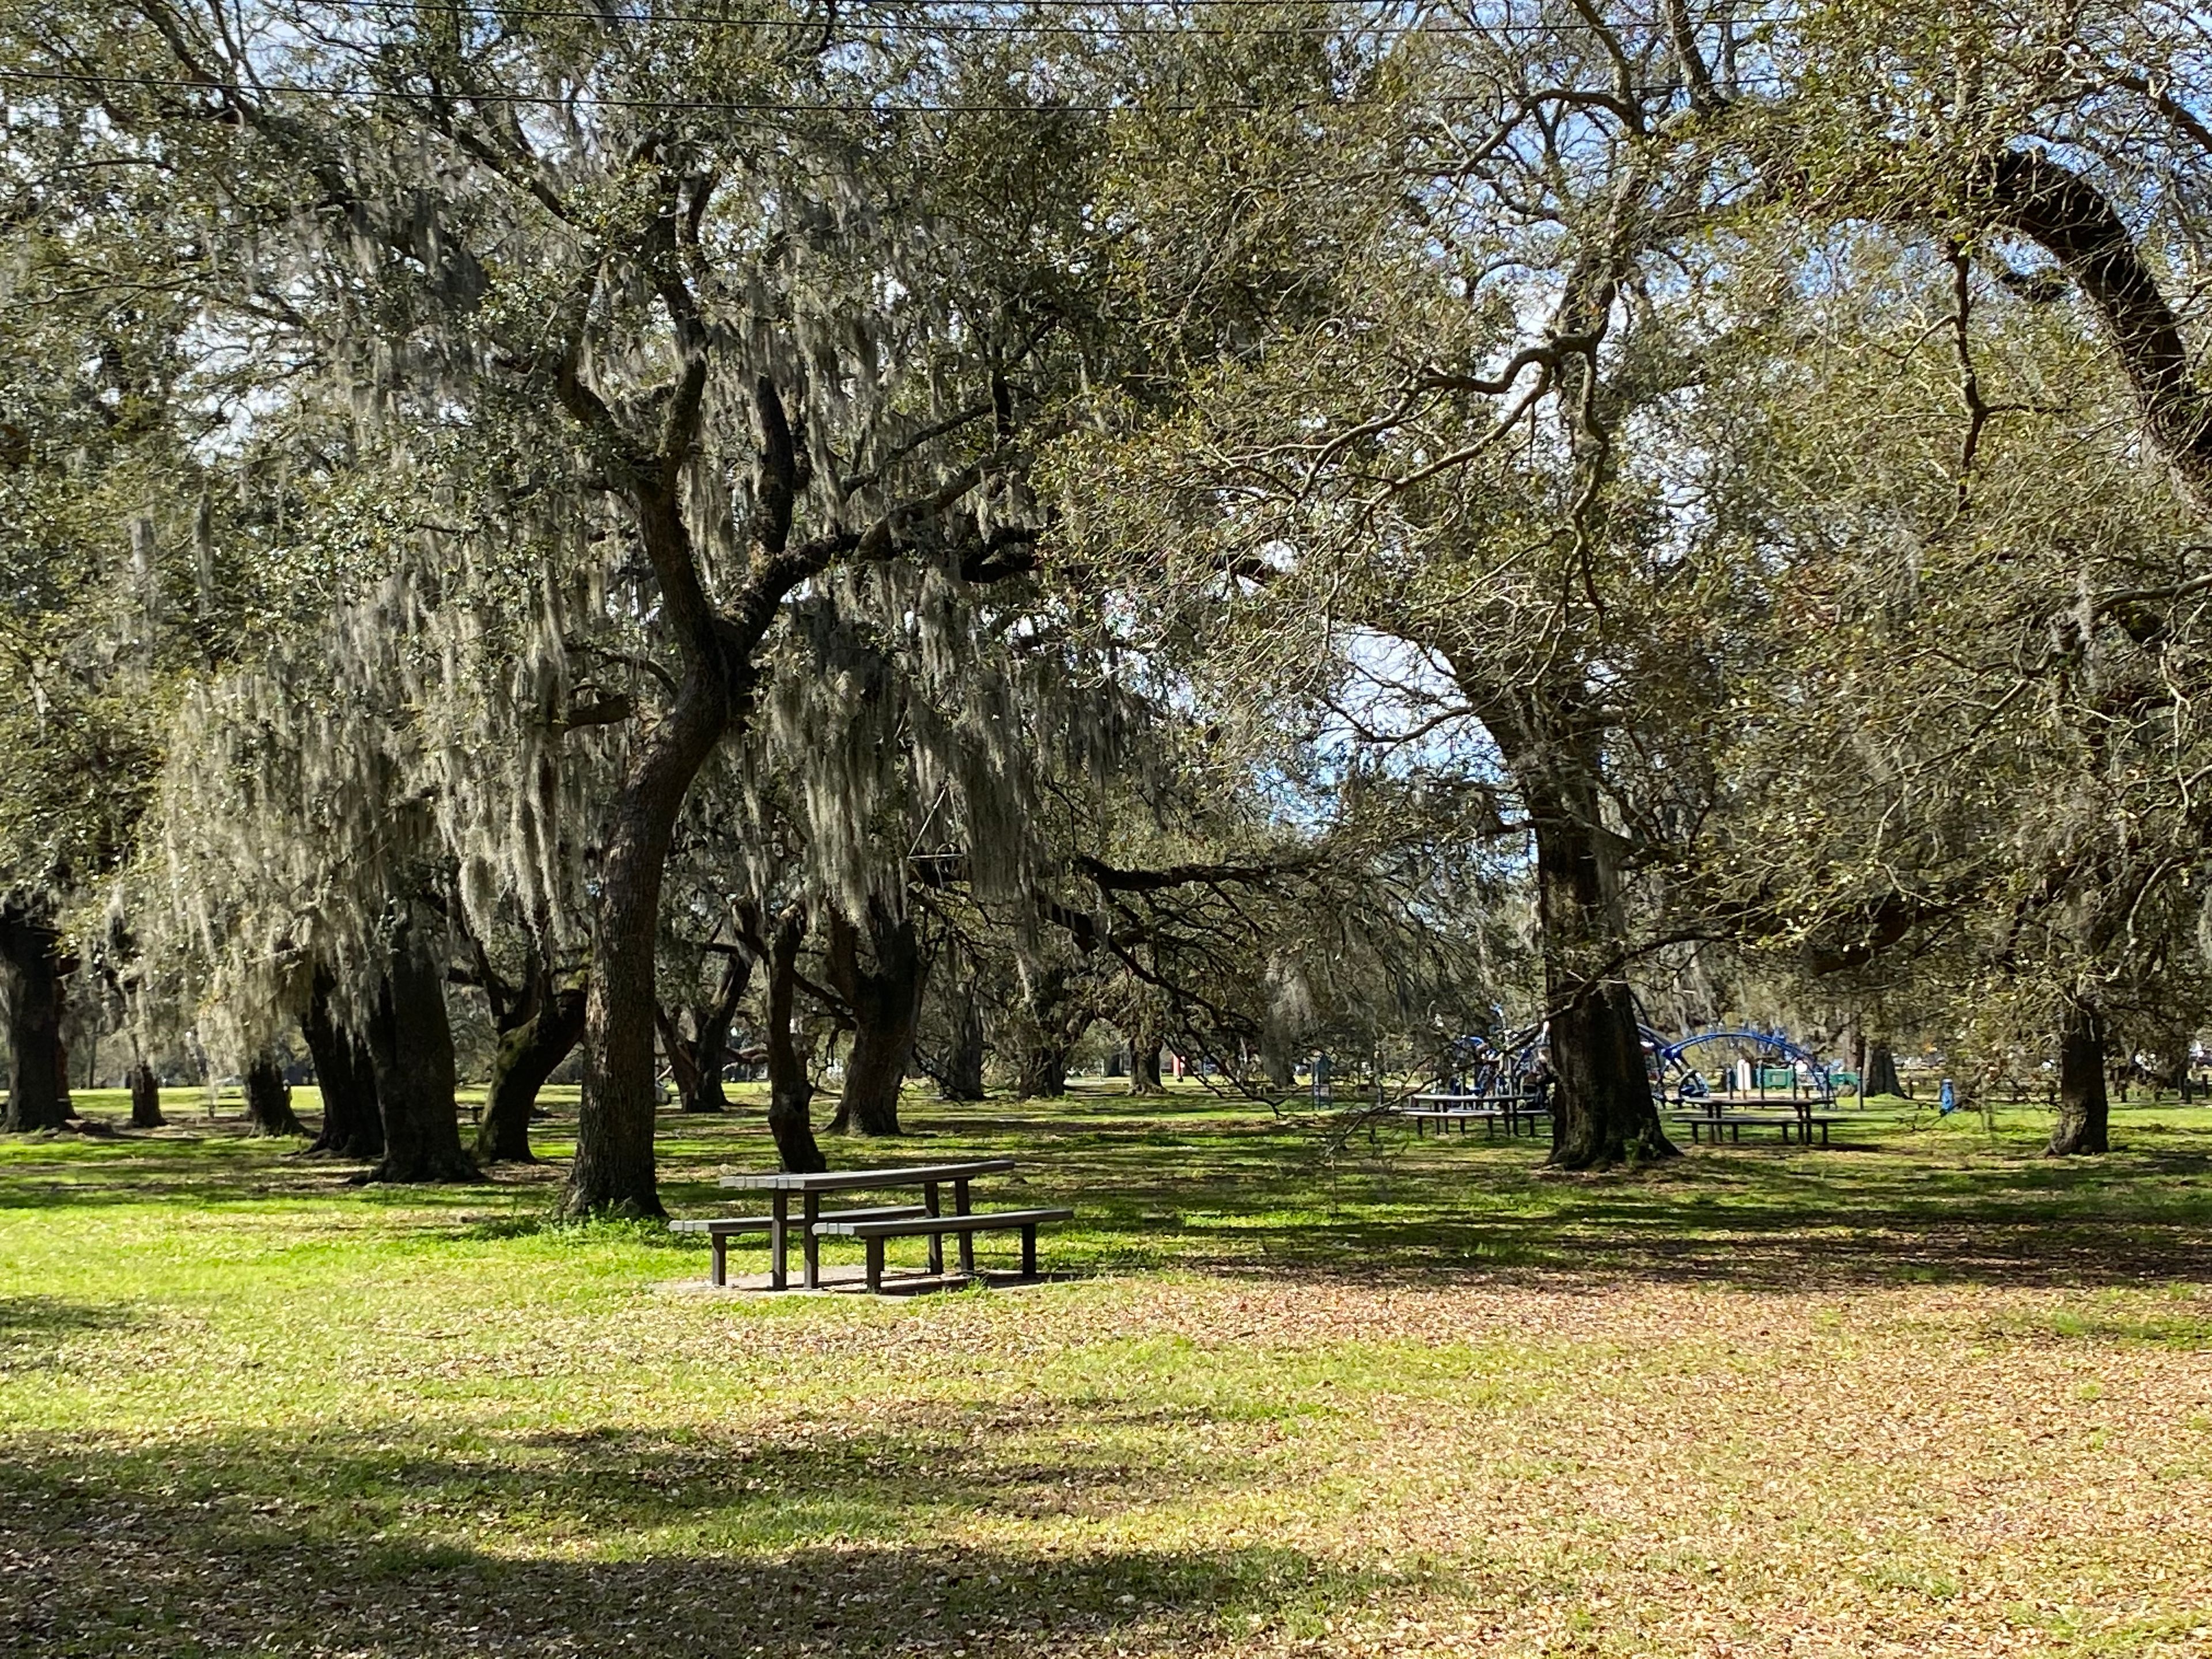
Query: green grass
1926	1392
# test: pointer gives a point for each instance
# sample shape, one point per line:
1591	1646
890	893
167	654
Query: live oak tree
115	589
1416	453
726	348
2011	596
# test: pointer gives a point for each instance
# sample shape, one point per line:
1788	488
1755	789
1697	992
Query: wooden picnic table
780	1185
1488	1110
1712	1112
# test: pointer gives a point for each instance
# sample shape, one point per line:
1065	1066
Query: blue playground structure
1672	1071
1484	1066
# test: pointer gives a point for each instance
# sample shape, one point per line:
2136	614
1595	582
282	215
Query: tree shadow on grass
298	1548
33	1328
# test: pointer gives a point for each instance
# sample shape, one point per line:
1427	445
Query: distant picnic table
1487	1110
872	1225
1712	1113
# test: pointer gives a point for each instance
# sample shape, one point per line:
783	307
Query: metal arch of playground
1521	1049
1671	1054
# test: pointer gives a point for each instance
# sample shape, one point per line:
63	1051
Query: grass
1927	1393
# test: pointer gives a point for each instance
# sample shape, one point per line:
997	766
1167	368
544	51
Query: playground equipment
1802	1070
1506	1079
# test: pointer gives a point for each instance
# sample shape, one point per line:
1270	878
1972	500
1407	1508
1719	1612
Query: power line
1170	8
1171	22
684	105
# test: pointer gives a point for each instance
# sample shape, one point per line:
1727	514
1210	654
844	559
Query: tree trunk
352	1127
410	1046
36	1085
145	1098
1052	1021
537	1037
1880	1076
613	1171
697	1062
886	1000
269	1097
1603	1109
1144	1059
710	1050
1040	1071
2083	1111
790	1090
961	1075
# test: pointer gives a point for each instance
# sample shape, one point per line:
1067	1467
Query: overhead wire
738	107
1174	25
1174	16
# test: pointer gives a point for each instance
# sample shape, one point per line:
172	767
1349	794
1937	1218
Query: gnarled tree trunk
352	1127
790	1090
37	1089
1603	1110
2084	1112
1880	1077
1145	1041
410	1046
959	1074
697	1060
1145	1071
886	1000
1053	1018
145	1098
1041	1070
535	1035
269	1097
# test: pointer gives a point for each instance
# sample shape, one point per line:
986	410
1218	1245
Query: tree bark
269	1097
410	1046
352	1127
960	1076
886	1000
1145	1041
613	1170
697	1060
790	1090
533	1040
36	1086
1880	1077
145	1098
2039	196
2084	1112
1604	1112
1040	1071
1052	1021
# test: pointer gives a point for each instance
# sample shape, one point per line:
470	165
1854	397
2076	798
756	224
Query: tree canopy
933	529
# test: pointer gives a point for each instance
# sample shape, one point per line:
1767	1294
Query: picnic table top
848	1180
1469	1099
1756	1117
1474	1111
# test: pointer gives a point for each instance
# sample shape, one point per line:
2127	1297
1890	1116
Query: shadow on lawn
33	1328
299	1549
1158	1188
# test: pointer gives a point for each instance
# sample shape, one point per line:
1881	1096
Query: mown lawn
1929	1393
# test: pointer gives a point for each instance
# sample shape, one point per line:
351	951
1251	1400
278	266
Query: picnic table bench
722	1229
926	1220
1804	1123
873	1232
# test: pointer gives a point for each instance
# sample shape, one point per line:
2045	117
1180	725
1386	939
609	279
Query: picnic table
781	1185
1488	1110
1712	1112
